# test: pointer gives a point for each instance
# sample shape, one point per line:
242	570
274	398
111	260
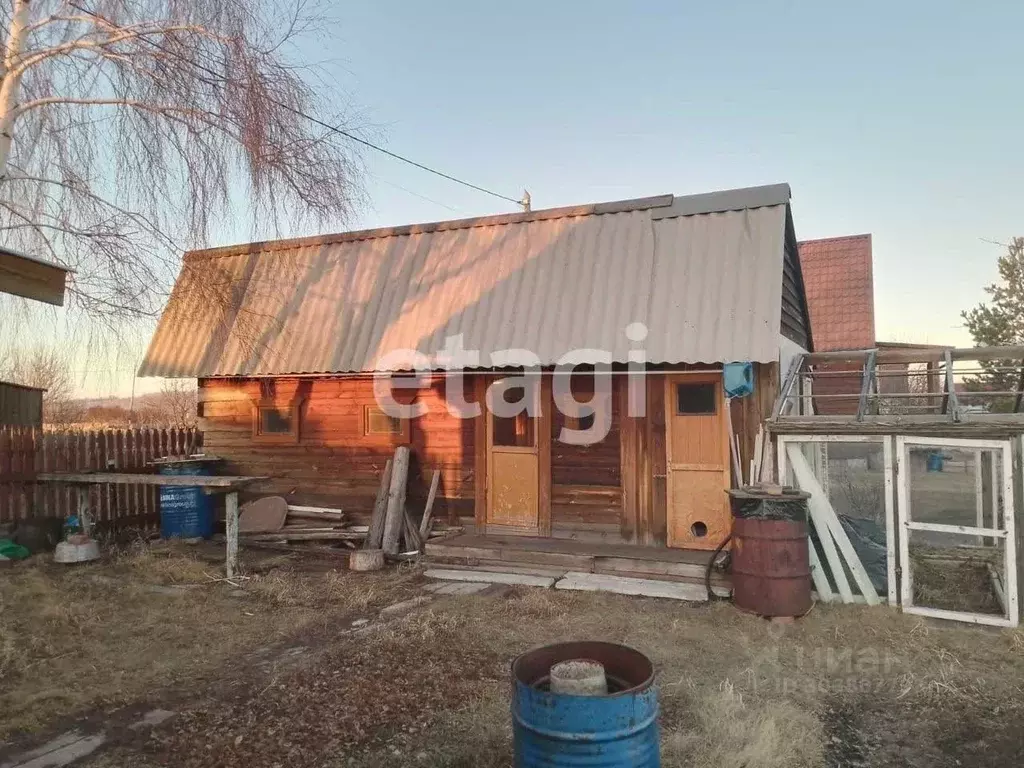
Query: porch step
556	564
497	555
490	577
622	585
498	567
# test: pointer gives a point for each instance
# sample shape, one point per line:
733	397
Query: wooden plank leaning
380	507
428	510
827	523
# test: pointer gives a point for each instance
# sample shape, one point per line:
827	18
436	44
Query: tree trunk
11	84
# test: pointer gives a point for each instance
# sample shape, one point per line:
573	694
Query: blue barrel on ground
555	730
185	511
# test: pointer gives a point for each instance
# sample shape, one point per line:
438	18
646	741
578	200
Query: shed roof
21	386
32	278
702	272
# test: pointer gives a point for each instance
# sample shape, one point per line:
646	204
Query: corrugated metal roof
703	273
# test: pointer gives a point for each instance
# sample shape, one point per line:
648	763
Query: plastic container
185	511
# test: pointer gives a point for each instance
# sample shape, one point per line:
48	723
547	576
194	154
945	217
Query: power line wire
328	126
395	155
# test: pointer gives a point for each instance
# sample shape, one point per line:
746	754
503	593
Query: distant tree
105	417
177	402
48	369
128	126
1000	322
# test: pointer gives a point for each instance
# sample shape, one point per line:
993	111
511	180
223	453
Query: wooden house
649	298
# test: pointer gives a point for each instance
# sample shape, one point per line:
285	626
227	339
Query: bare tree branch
129	127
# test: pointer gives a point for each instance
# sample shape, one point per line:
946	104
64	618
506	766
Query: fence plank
26	451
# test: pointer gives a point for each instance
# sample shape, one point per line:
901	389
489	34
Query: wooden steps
499	556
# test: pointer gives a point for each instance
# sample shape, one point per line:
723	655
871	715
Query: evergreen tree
1000	322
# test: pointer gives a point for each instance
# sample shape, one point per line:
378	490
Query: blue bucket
551	729
185	511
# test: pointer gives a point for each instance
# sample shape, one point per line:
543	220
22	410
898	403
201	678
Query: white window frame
893	591
1006	534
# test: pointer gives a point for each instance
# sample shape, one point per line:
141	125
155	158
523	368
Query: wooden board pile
272	521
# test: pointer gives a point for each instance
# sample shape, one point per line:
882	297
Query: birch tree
129	127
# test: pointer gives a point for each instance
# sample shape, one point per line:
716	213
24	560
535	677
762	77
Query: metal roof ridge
543	214
723	201
663	206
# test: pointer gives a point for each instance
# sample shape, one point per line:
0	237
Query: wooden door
513	474
697	442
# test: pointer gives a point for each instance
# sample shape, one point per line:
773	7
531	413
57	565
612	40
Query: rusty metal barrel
771	569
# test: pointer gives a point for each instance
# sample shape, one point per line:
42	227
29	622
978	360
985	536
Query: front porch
551	556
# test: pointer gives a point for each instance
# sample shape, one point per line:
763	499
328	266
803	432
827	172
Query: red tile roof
840	291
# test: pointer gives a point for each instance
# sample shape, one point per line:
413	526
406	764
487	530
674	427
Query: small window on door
696	399
514	431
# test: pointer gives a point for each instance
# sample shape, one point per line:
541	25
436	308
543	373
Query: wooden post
380	508
395	518
231	529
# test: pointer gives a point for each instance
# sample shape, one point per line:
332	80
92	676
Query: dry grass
99	635
956	584
733	732
431	687
735	691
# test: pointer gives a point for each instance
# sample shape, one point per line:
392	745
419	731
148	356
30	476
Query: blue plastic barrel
620	729
185	511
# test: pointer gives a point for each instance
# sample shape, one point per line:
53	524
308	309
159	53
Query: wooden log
315	513
380	504
413	543
366	560
428	510
395	517
284	535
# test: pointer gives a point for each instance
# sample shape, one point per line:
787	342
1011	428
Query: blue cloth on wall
739	379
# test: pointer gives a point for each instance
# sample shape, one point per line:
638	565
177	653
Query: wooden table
227	484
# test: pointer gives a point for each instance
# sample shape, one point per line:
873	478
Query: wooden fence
25	451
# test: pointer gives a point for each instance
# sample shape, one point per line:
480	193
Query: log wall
333	463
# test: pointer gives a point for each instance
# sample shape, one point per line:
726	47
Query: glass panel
696	399
275	420
517	430
852	475
956	573
955	486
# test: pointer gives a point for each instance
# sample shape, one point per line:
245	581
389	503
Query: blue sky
899	119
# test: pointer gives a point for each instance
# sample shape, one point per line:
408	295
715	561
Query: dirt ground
275	673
